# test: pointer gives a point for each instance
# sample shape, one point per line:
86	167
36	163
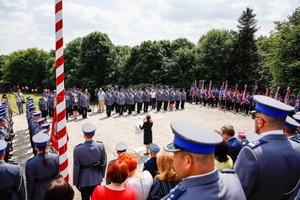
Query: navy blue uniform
12	182
151	166
39	175
89	166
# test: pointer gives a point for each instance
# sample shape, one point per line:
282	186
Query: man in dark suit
89	163
269	167
234	144
150	165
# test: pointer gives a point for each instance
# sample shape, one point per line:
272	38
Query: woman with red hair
139	183
117	173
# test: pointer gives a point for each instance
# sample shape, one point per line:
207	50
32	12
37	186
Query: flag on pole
226	89
287	95
255	90
277	93
194	88
209	90
267	91
202	87
236	91
244	94
60	128
221	90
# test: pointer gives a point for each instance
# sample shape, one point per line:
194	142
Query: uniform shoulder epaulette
99	142
78	145
227	171
12	162
175	193
255	144
30	159
295	139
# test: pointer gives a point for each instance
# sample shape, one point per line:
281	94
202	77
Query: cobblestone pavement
123	129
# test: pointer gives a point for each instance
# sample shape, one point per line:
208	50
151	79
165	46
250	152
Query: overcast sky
30	23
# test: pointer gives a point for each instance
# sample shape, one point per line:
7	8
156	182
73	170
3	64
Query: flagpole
61	131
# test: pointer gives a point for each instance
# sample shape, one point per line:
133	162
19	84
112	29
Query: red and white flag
287	95
277	93
244	94
267	92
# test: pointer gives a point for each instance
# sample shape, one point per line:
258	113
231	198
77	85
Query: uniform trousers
182	104
177	104
108	110
166	105
86	192
159	103
146	104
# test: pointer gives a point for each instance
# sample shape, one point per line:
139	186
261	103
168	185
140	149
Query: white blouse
140	186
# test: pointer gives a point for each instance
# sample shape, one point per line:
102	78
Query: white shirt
140	186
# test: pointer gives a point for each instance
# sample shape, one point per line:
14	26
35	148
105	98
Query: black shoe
146	154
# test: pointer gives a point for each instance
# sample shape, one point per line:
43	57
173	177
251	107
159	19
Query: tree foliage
237	56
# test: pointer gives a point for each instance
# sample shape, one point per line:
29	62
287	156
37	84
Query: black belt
54	176
95	165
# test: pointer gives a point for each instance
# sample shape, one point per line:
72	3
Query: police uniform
166	99
83	103
269	167
108	100
183	99
139	100
130	102
146	99
177	98
41	170
292	125
159	99
89	163
150	165
12	182
212	185
43	106
51	101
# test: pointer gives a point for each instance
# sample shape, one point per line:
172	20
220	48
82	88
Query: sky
30	23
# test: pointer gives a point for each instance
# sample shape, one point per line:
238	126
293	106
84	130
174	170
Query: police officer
297	118
166	98
130	101
150	165
108	98
139	100
159	99
51	101
146	99
290	127
89	163
12	182
261	164
177	98
68	105
183	98
193	162
42	168
121	101
83	104
43	105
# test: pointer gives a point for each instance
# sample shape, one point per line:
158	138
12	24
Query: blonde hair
165	167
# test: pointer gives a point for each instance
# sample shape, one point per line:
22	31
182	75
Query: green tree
27	68
247	58
96	60
214	56
281	57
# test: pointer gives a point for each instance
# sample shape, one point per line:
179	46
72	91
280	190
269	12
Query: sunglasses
254	116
